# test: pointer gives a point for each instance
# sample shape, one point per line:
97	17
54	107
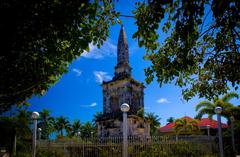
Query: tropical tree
98	116
88	130
75	128
170	119
52	125
62	124
44	123
39	39
17	129
207	107
154	121
201	52
141	113
185	125
22	123
150	118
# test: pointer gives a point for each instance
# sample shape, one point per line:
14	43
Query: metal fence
157	146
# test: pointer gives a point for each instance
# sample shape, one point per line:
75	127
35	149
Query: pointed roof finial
123	69
122	51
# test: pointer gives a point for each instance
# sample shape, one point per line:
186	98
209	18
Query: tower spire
123	69
122	50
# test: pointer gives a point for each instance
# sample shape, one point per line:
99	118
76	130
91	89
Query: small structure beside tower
122	89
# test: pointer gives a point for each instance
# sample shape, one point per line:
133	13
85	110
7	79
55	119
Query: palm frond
206	104
229	96
203	111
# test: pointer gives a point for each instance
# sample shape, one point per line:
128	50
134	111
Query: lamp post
218	111
232	132
39	133
79	135
208	132
34	117
125	108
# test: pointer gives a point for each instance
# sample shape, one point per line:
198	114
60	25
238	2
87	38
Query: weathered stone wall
122	91
113	127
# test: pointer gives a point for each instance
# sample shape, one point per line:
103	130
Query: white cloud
107	49
101	76
77	71
162	101
91	105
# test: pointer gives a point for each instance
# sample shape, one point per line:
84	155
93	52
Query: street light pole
35	116
209	139
39	133
79	135
125	108
208	131
232	132
91	134
218	111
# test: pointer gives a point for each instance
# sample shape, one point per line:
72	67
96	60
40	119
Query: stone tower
122	89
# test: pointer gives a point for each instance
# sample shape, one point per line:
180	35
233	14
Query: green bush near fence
49	153
177	149
173	149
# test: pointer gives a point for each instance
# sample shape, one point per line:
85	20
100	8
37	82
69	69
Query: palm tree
140	113
152	119
22	122
44	123
170	119
76	126
154	122
185	125
97	117
88	129
207	107
62	124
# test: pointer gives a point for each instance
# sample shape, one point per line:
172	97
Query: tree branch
206	31
127	16
236	33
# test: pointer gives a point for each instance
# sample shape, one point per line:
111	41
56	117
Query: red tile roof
202	123
213	123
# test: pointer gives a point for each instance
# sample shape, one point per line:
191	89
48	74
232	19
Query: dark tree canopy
201	54
40	38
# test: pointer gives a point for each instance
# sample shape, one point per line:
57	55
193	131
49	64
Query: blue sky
78	94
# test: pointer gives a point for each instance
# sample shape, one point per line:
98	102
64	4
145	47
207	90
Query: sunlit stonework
122	89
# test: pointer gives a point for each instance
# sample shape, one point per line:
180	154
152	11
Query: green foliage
39	39
150	118
207	107
176	149
76	126
44	123
19	126
49	153
201	53
154	121
98	116
186	126
62	124
170	119
88	130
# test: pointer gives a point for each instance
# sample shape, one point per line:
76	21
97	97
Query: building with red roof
203	124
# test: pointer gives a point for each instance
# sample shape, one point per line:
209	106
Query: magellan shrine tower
122	89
